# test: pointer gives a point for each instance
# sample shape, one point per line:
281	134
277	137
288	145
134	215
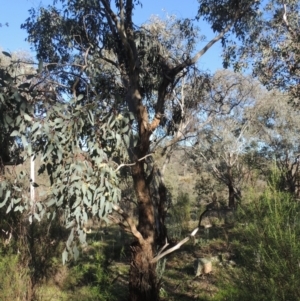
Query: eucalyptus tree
277	130
110	84
269	45
221	144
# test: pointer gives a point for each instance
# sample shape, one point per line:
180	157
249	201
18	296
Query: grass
268	226
101	273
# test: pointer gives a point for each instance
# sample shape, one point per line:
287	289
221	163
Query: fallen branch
176	247
182	242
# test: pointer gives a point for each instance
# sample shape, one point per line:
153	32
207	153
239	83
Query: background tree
222	142
277	129
269	45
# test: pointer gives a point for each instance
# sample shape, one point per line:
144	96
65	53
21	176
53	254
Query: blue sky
15	12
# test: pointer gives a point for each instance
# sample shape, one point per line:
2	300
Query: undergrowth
267	248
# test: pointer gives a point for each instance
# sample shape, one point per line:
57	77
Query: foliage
103	87
276	129
269	45
267	247
222	14
15	72
81	181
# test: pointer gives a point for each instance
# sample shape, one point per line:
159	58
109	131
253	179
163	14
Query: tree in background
269	46
220	145
277	130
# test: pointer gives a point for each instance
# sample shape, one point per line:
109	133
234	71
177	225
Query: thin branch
132	164
84	25
285	20
198	55
166	244
122	18
284	17
128	10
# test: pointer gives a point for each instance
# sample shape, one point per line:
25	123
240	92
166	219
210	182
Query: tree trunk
231	197
291	182
143	283
162	234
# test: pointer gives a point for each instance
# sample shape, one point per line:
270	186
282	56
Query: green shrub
268	249
14	279
90	278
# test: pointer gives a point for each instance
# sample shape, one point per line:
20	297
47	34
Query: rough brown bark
143	284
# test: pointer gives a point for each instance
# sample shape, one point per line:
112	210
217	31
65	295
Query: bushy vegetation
15	282
267	248
34	271
30	261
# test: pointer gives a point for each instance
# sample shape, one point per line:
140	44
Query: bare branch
198	55
166	244
128	10
176	247
122	18
284	16
132	164
285	20
189	62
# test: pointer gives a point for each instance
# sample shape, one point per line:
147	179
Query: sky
15	12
